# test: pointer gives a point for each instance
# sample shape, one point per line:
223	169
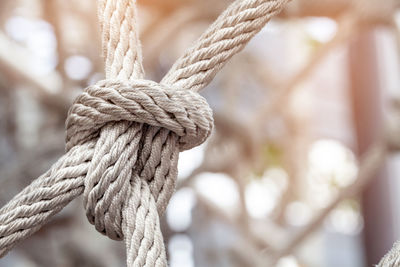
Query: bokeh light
179	210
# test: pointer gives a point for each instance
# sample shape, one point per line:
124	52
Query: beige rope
392	258
120	40
124	134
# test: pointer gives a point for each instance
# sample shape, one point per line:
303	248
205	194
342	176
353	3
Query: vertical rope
120	40
123	61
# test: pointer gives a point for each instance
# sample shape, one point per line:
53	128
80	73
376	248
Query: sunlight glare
190	160
220	189
180	249
179	210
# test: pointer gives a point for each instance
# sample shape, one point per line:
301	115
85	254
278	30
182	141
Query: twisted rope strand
392	258
118	147
121	45
225	37
28	211
124	134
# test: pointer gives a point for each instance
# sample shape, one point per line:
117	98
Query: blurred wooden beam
167	6
371	162
348	25
316	8
14	67
5	9
366	90
297	8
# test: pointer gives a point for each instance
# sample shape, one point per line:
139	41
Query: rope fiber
124	134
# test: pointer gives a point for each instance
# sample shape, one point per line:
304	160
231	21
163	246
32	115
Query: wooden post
366	95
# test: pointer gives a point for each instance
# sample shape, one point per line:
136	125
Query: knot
184	112
138	128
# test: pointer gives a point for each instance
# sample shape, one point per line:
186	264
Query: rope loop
184	112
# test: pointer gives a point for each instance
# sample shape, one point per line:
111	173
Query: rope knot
137	129
184	112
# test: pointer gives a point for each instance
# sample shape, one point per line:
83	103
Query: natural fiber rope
124	134
392	258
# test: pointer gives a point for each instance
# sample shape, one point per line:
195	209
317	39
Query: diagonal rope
392	258
124	134
228	35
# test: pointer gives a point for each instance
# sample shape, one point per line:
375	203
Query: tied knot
137	129
184	112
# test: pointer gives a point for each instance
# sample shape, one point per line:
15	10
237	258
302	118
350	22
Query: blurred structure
301	169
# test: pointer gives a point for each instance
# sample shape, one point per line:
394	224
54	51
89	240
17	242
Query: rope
392	258
124	134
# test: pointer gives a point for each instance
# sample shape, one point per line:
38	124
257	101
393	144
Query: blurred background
295	173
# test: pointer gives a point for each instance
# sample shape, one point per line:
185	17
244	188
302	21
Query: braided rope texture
392	258
124	134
